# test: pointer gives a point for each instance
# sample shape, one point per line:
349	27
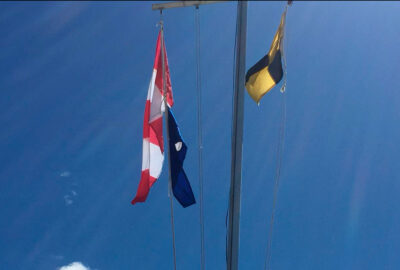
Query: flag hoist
153	143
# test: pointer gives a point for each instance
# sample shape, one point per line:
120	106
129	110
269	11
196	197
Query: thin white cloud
68	200
65	174
74	266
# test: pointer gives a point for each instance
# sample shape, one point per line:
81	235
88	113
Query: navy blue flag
177	147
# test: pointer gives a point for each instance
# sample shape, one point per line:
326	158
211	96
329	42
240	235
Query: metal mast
237	139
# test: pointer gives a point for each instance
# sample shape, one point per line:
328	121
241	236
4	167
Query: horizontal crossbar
178	4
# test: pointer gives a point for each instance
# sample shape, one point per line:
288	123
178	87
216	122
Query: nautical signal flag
267	72
153	144
180	184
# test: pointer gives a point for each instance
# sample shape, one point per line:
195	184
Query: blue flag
177	147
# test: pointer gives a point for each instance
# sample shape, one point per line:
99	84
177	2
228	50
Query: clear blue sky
73	84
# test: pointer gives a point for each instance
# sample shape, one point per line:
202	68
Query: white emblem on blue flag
178	146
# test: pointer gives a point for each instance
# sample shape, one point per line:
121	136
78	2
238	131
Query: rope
166	123
172	228
199	135
279	152
283	46
279	157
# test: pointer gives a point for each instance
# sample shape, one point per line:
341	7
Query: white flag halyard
153	145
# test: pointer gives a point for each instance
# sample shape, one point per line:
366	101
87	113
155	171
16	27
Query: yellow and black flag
267	72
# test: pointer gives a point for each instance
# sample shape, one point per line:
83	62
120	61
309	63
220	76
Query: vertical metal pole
237	137
164	91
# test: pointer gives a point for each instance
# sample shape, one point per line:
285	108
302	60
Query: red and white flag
153	146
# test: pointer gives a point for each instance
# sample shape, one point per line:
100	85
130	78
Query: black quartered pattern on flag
268	71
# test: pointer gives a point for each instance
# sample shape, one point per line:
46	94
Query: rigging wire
199	134
169	160
280	149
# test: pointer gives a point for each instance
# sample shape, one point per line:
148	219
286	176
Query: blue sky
74	78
